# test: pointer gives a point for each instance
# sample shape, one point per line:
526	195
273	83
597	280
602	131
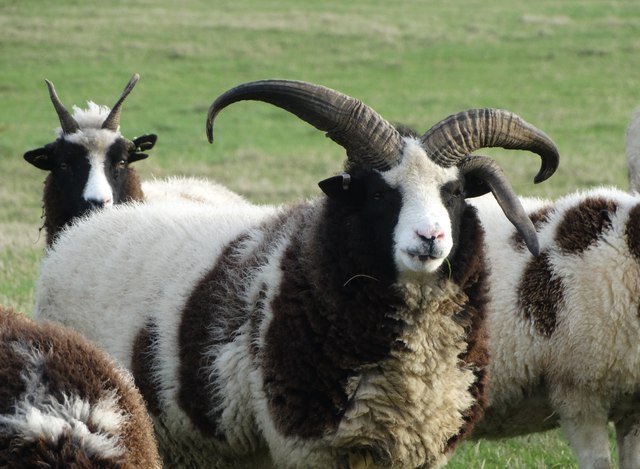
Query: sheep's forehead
90	118
96	141
416	171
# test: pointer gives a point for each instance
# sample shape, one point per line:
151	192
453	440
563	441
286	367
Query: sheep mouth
421	255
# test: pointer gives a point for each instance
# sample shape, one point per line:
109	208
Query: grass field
568	67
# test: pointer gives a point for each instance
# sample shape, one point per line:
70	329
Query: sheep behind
88	163
63	403
564	329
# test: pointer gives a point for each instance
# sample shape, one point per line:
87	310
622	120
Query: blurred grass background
569	68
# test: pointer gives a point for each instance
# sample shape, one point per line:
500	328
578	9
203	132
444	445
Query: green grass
570	68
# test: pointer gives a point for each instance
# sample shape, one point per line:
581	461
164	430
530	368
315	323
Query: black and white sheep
89	166
88	163
344	331
564	327
63	403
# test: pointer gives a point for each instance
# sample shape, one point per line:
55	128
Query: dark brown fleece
71	366
633	231
469	270
217	303
584	224
142	360
540	294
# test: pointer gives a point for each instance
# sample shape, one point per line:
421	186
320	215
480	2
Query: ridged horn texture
112	122
488	171
365	135
67	122
461	134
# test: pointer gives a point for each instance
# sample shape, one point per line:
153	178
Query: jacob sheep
88	163
343	331
89	166
563	327
63	403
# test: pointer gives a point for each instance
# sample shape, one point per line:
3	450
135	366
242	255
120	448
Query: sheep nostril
430	235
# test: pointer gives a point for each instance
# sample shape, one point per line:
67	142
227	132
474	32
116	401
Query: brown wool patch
142	361
217	303
633	231
470	272
91	375
540	294
584	224
538	218
11	363
194	340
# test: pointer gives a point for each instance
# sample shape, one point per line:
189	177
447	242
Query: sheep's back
123	265
577	300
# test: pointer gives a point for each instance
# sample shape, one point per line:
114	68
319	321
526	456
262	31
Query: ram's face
92	163
432	197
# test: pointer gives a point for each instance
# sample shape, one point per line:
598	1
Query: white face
423	235
97	189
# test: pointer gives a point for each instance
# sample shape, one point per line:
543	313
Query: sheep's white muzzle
421	260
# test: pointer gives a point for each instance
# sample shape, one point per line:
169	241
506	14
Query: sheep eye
63	166
121	164
377	195
451	195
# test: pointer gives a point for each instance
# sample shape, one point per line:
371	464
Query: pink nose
431	234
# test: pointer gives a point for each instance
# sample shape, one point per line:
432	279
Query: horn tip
533	246
210	131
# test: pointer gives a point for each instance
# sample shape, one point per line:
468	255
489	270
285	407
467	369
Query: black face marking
370	210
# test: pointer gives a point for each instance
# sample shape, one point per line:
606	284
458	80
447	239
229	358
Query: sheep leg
589	441
628	438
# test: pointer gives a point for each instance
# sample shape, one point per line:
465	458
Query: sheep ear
142	143
336	187
40	158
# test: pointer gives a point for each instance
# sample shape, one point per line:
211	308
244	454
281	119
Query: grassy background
568	67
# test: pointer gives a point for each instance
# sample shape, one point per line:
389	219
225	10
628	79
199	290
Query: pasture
570	68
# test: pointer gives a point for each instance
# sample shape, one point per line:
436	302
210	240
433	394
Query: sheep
632	148
88	163
190	188
89	168
564	335
64	403
341	331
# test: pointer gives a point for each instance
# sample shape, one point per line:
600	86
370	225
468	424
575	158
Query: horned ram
342	331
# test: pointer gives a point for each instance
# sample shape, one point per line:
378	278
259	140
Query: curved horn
461	134
485	176
67	122
365	135
112	122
